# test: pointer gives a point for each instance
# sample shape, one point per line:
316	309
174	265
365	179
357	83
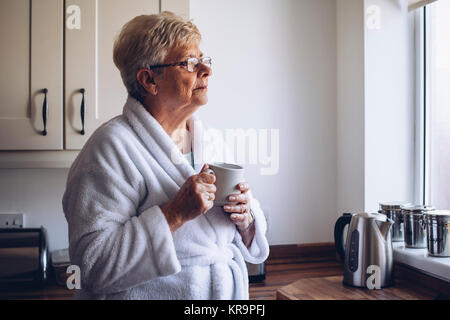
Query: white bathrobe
118	235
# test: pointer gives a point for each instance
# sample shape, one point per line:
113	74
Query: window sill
419	259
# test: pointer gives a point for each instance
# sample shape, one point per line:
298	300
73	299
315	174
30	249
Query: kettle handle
339	233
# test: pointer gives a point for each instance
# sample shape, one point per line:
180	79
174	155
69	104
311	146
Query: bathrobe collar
160	145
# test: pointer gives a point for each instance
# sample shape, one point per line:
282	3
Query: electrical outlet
11	220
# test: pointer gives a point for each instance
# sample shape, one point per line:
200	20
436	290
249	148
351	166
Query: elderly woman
139	197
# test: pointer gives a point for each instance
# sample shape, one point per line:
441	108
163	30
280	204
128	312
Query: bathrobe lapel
158	142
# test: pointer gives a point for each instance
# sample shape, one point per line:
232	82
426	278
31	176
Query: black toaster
23	256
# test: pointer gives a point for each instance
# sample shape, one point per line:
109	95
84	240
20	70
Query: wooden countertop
51	291
332	288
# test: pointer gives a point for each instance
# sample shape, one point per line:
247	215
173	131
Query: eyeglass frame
184	63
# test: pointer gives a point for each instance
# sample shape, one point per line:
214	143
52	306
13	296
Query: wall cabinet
54	54
31	60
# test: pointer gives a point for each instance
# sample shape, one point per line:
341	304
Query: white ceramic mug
228	176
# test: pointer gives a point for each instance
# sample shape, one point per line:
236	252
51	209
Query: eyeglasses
191	63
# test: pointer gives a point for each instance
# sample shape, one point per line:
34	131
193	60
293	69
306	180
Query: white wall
350	105
274	66
375	105
38	194
389	105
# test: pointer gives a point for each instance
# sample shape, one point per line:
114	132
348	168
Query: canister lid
369	215
417	209
393	205
438	215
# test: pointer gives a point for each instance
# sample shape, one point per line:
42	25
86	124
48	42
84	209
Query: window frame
422	110
418	258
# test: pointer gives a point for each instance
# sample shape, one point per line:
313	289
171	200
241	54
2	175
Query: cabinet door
91	28
31	56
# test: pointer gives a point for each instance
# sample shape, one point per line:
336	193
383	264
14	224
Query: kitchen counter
332	288
409	284
51	291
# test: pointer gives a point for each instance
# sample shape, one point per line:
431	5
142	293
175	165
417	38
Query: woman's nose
204	71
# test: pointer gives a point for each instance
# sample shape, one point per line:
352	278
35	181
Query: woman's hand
195	197
240	212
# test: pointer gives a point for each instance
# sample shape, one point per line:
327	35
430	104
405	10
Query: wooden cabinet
31	60
65	47
89	64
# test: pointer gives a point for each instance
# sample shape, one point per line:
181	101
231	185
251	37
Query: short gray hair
146	40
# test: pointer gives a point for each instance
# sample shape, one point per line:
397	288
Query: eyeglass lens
193	63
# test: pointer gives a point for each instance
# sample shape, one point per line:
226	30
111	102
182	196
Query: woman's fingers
205	187
243	187
240	220
235	208
206	177
242	198
207	199
237	217
239	214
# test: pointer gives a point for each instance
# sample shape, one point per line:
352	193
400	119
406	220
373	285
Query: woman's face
178	87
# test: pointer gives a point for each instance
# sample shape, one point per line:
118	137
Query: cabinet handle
82	111
45	112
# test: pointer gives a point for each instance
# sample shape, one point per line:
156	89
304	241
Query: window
435	104
439	104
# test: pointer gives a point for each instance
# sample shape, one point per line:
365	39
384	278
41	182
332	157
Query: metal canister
438	233
393	210
414	224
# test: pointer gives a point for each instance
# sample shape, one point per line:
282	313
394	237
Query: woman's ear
146	78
